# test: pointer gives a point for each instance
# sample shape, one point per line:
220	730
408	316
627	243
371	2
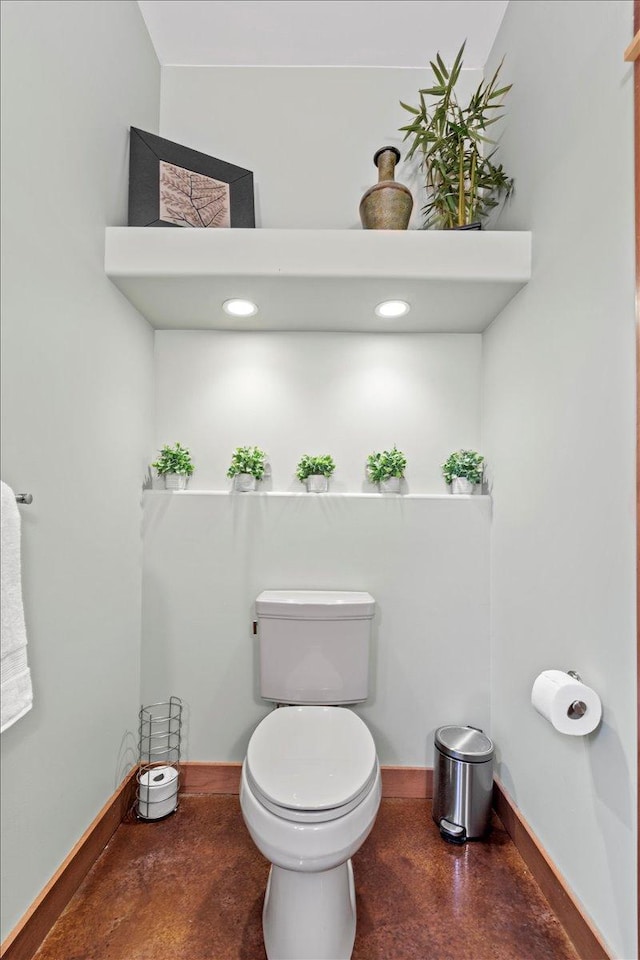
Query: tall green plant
463	184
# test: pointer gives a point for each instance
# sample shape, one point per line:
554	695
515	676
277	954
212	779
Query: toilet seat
311	764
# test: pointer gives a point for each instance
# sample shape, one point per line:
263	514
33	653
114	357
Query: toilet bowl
310	787
309	795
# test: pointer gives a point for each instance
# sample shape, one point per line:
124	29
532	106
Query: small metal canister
462	782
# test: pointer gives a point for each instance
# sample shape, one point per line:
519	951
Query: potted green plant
315	472
247	466
462	470
174	464
387	469
462	181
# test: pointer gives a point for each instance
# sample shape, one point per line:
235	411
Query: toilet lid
311	758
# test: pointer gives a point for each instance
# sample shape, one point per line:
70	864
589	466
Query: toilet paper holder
570	705
578	708
159	748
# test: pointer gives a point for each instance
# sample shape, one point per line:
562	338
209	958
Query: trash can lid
464	743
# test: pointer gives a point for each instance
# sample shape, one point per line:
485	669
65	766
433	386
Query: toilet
311	787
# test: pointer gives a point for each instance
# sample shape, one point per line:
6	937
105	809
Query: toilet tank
314	645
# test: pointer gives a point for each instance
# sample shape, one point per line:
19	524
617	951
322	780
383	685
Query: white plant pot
244	482
390	485
175	481
317	483
461	485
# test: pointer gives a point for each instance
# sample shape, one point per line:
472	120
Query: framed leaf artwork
174	186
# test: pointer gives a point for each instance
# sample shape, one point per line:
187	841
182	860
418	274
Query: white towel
15	696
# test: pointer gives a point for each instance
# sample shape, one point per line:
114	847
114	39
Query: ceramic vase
387	205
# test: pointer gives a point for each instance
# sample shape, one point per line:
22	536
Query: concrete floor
191	888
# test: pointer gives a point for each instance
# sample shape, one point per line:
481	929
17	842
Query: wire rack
159	743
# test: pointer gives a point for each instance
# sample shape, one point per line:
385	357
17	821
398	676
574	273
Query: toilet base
310	916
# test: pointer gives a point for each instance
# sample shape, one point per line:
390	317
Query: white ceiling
373	33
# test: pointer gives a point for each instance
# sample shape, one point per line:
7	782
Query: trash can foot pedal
452	832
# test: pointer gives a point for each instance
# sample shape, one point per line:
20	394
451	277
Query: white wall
296	393
558	431
308	133
207	557
76	416
425	560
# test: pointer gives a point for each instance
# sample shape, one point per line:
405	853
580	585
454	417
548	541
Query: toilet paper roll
554	695
157	792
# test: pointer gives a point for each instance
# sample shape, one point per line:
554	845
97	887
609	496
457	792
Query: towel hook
24	498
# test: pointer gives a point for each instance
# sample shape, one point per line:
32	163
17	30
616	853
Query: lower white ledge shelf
332	280
316	496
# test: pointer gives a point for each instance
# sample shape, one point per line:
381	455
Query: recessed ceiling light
392	308
240	308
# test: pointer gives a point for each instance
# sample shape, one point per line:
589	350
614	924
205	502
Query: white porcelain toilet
311	787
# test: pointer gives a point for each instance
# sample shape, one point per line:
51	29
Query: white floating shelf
455	281
318	497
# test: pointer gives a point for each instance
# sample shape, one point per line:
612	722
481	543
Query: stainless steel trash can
462	783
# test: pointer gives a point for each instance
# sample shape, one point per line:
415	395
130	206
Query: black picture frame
147	151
